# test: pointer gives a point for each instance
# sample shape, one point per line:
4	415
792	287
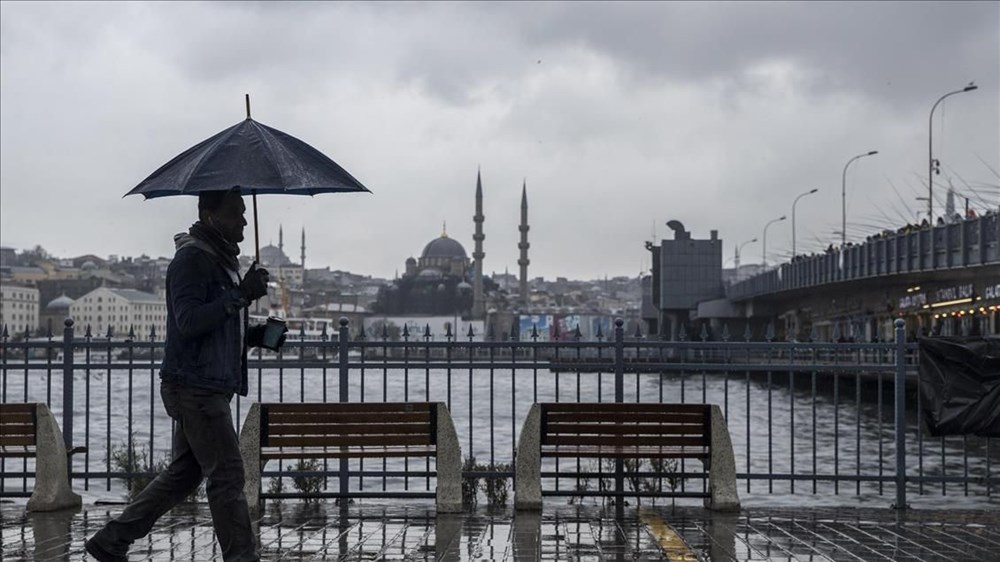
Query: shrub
140	468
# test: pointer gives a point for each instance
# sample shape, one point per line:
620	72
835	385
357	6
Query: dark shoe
102	555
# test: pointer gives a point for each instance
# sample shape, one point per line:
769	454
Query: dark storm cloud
620	116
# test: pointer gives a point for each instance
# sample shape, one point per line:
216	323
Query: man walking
205	363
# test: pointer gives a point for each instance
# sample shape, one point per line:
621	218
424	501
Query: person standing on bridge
205	363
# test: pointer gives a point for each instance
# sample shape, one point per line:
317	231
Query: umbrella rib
266	139
220	138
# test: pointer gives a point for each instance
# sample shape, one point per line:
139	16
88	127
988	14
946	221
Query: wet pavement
297	531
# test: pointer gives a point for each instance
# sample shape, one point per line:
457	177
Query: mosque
444	281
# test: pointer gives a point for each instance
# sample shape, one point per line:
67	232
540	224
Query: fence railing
831	419
963	244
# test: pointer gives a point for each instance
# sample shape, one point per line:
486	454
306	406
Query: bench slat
358	407
624	440
348	452
625	428
623	407
348	440
632	417
282	429
566	451
16	417
9	407
17	440
349	417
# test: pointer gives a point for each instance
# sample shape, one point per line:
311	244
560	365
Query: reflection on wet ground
297	531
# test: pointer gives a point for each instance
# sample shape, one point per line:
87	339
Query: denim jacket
205	344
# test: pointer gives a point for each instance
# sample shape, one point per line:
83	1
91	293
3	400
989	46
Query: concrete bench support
52	490
720	464
448	459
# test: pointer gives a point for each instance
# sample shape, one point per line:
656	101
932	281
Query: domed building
55	313
444	255
437	283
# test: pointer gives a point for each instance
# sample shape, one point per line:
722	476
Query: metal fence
820	418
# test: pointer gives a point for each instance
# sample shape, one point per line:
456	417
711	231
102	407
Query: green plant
470	484
496	487
140	468
659	471
310	485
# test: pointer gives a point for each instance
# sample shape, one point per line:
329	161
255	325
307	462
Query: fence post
619	360
67	423
343	338
900	410
619	398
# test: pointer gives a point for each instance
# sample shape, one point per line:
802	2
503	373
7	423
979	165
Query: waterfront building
122	310
686	272
18	308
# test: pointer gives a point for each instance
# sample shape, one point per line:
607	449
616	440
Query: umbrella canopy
255	158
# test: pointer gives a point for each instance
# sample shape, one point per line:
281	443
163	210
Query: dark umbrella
255	158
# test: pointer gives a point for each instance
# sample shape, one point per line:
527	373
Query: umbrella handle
256	230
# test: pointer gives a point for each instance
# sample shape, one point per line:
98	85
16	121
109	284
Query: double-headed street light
843	196
810	192
764	243
930	151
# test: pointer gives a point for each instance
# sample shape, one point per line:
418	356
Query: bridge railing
823	418
966	243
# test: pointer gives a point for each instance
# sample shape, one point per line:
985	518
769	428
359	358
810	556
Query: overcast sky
618	116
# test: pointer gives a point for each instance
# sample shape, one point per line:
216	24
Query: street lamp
843	197
930	154
810	192
779	219
736	256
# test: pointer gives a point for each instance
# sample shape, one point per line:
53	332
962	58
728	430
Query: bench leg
52	490
528	464
722	467
250	451
449	464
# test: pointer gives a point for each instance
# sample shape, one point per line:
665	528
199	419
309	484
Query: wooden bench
353	430
626	431
30	431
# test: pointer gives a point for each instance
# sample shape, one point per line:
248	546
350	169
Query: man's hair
210	201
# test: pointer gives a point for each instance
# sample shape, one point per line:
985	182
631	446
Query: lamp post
930	151
736	256
810	192
764	243
843	196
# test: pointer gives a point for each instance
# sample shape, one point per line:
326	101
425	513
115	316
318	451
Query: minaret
303	256
523	246
281	240
478	306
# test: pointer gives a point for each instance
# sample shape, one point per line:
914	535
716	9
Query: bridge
941	279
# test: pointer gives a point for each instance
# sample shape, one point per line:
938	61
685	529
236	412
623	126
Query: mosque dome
273	256
59	303
88	266
444	247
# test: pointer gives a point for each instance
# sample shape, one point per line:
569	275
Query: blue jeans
205	445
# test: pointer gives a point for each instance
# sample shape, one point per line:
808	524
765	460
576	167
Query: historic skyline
620	116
